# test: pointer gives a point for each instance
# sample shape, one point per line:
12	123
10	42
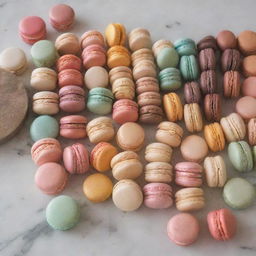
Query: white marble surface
103	229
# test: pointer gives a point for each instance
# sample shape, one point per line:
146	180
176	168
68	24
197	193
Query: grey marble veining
103	229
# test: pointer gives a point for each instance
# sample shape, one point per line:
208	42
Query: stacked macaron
145	75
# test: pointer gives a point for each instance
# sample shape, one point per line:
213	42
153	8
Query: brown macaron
231	84
192	93
207	42
230	60
207	59
208	82
212	107
226	40
151	114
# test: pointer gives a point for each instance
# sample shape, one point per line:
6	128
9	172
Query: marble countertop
103	229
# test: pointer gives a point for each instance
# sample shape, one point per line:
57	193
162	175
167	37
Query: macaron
238	193
46	150
94	55
118	56
170	79
230	60
246	107
199	146
101	156
161	44
214	137
92	37
100	129
251	131
115	34
193	117
157	195
192	93
188	174
44	126
69	61
72	99
158	172
231	84
51	178
126	165
97	187
73	127
67	43
127	195
147	84
46	103
125	110
142	54
61	17
149	98
248	87
32	29
189	199
185	46
248	66
207	42
70	77
233	127
139	38
43	79
96	77
178	231
167	57
240	156
76	159
158	152
215	171
173	107
247	42
62	213
212	107
119	72
221	224
169	133
144	68
226	40
207	59
208	81
44	53
123	88
13	59
189	68
100	101
130	136
151	114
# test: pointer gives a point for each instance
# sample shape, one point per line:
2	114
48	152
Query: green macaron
185	46
44	53
167	57
238	193
62	213
44	127
100	101
170	79
189	68
240	155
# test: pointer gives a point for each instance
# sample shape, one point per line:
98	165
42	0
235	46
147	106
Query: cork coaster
13	105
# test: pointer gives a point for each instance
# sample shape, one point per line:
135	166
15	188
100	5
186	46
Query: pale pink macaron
246	107
51	178
92	37
32	29
158	195
61	17
249	86
69	61
70	77
188	174
125	110
46	150
72	99
76	159
183	229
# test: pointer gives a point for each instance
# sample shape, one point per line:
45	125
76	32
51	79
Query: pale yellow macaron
158	152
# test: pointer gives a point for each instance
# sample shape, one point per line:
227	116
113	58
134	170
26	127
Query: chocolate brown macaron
207	59
231	84
208	82
151	114
230	60
192	93
212	107
207	42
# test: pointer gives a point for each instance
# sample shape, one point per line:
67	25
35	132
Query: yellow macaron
115	34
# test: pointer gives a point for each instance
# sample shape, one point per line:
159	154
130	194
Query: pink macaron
76	159
221	224
249	86
94	55
157	195
125	110
61	17
72	99
70	77
69	61
46	150
51	178
188	174
92	37
32	29
73	127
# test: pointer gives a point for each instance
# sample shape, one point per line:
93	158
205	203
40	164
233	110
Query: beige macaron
158	152
161	44
96	77
139	38
158	172
144	68
119	72
123	88
142	54
126	165
67	43
193	117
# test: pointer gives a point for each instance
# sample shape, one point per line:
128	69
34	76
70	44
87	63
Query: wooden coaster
13	105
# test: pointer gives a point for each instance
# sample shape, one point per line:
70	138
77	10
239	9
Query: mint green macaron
238	193
167	58
62	213
189	68
185	46
170	79
44	53
44	127
240	155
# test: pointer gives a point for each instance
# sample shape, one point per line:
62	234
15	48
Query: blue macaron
167	57
100	101
189	68
170	79
185	46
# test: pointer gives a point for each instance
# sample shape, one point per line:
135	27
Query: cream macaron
158	152
158	172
